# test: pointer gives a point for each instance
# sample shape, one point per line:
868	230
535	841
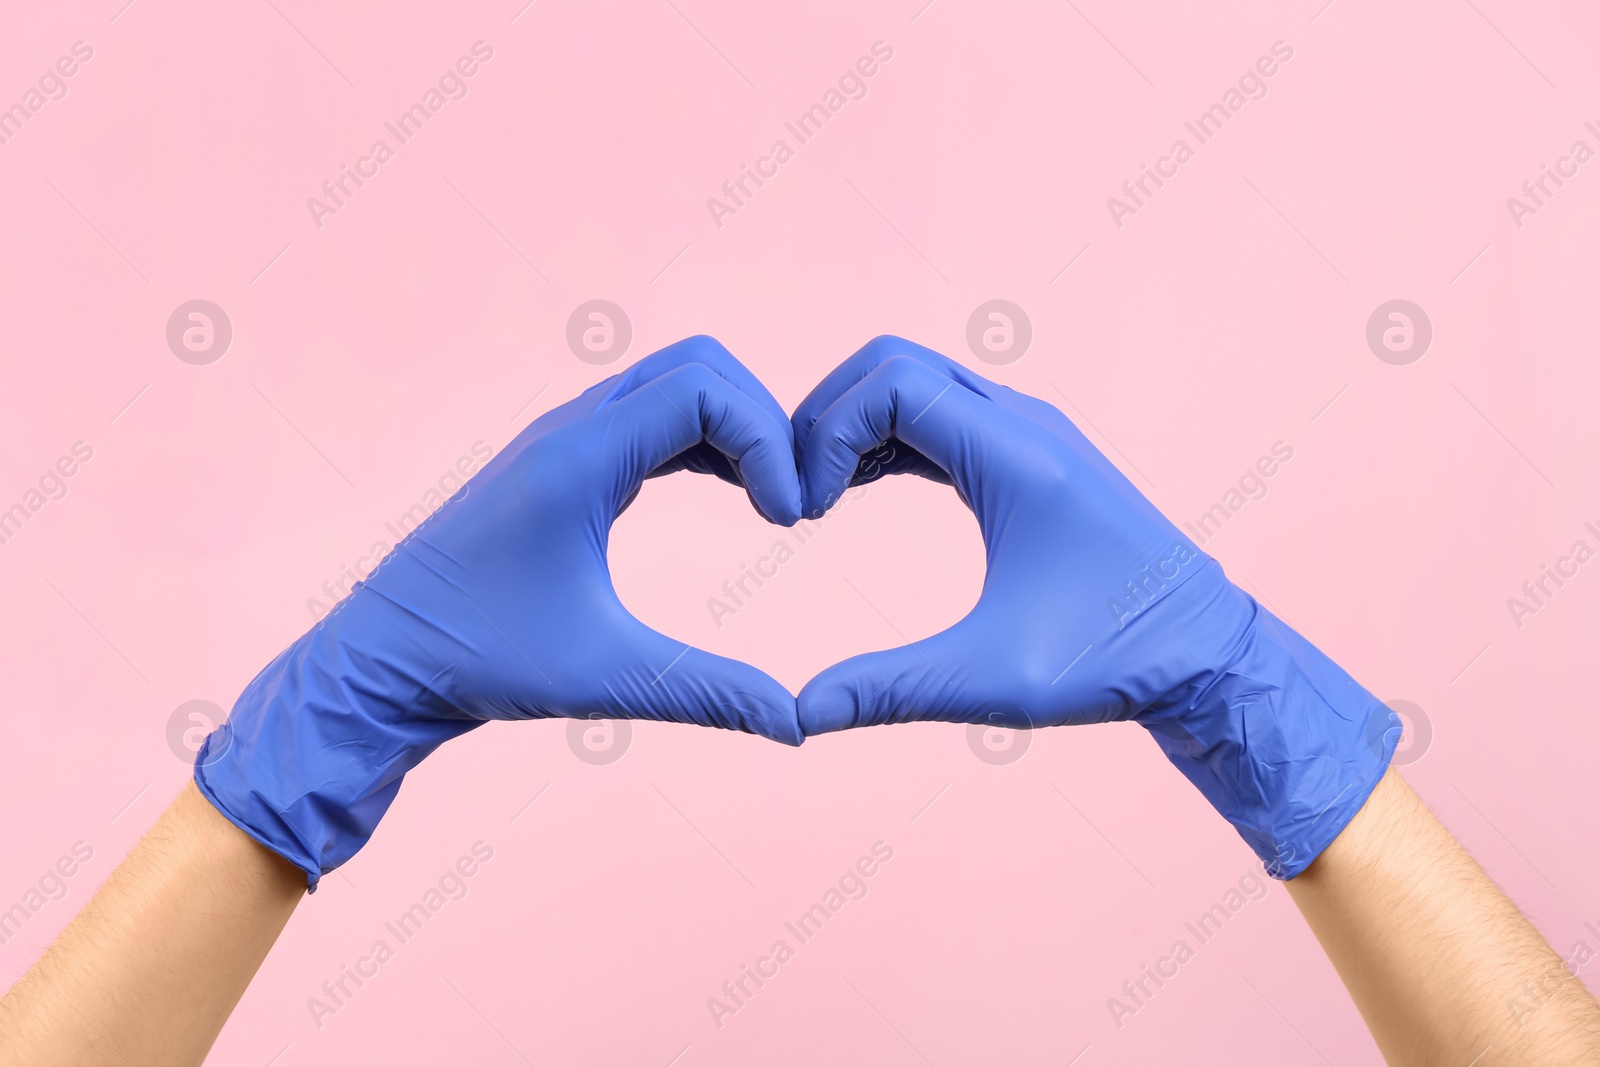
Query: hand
1094	608
500	606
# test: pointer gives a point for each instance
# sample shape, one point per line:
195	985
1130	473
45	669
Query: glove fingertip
773	483
787	733
896	685
828	705
735	696
783	508
772	716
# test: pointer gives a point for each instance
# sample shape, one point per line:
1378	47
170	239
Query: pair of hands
500	606
527	624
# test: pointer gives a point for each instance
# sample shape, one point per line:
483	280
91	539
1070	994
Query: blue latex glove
500	606
1095	608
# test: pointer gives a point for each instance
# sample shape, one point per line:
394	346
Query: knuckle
902	369
704	344
884	345
697	377
704	348
1047	478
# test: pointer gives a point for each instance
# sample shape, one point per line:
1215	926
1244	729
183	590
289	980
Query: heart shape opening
893	562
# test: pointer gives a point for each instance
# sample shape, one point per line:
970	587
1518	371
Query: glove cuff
1284	743
316	746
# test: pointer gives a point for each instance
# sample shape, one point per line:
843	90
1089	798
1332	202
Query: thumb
686	684
916	682
691	404
908	401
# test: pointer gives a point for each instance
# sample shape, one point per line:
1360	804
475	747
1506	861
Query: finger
705	350
909	401
1022	416
866	360
701	459
923	681
691	404
679	683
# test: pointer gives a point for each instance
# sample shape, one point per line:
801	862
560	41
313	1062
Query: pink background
1227	314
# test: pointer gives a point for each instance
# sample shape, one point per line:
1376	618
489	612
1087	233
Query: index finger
866	360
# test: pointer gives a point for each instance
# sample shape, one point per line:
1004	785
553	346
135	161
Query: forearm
1437	959
151	968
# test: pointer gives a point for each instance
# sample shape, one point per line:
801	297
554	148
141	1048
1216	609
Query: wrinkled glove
500	606
1095	608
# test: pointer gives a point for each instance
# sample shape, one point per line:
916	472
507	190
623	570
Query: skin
152	967
1429	949
1442	966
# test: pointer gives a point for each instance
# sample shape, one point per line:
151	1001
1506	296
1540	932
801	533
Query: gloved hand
1095	608
500	606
